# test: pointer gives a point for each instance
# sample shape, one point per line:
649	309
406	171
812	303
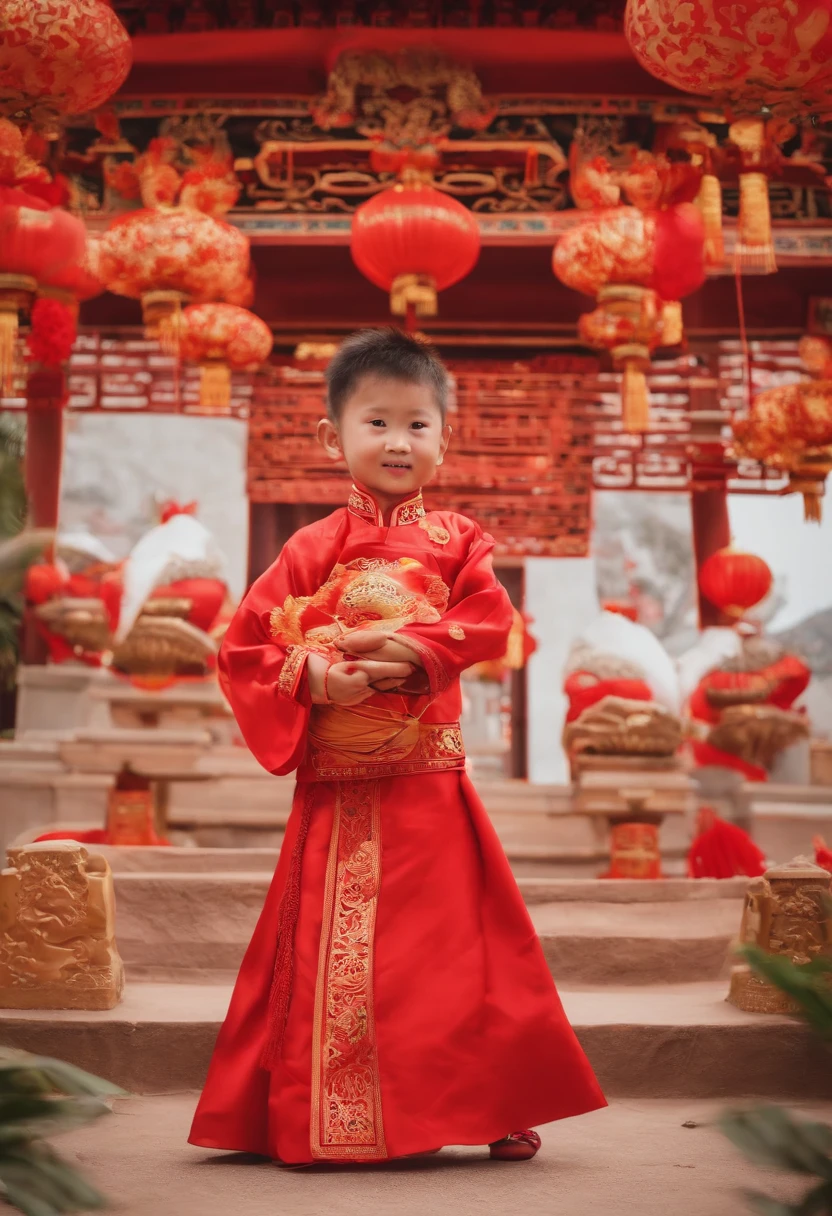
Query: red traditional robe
394	997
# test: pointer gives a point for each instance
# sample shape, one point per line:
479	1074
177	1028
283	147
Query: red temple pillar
709	487
46	395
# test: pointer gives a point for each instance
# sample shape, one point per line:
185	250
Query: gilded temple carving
786	913
57	929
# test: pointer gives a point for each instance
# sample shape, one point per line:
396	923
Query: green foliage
40	1097
770	1136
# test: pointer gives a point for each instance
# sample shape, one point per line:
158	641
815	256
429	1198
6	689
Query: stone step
195	927
665	1041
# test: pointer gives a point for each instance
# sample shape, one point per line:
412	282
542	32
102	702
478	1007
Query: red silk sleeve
263	679
475	626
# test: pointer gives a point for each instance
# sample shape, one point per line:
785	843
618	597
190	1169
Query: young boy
394	997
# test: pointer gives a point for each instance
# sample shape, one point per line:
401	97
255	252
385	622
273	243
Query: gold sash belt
369	741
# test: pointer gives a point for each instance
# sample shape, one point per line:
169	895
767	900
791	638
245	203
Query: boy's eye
418	426
377	422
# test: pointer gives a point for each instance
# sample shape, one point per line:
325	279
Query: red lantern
735	581
414	241
222	337
166	256
60	56
760	54
36	241
43	581
790	428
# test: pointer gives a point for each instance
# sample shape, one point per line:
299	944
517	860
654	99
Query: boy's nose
397	443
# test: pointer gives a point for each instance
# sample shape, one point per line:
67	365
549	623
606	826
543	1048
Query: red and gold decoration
36	242
634	851
790	428
742	709
735	581
638	264
222	338
166	257
60	57
763	54
414	241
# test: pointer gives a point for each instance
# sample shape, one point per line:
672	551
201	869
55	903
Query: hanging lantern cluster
222	338
414	241
763	59
638	264
735	581
60	57
166	257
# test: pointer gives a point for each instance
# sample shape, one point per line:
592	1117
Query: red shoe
519	1146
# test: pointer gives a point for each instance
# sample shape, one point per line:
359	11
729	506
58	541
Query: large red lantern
414	241
637	264
168	256
757	54
790	428
222	337
36	241
60	56
735	581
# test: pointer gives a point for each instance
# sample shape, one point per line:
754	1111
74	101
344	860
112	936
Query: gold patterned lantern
790	428
60	57
167	256
222	337
763	53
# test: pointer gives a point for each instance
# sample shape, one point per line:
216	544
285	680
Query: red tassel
722	850
281	990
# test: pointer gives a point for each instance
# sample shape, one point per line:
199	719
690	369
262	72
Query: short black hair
384	352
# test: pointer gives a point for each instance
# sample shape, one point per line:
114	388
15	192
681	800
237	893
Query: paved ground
634	1159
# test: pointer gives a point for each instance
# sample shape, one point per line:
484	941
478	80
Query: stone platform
661	1041
653	1158
194	925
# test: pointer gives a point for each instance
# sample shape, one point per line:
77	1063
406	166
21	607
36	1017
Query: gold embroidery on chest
366	593
436	533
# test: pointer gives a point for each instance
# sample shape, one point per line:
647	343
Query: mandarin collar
362	504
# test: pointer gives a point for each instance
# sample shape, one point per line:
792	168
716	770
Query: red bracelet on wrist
326	688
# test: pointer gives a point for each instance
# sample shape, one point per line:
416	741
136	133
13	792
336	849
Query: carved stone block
785	913
57	929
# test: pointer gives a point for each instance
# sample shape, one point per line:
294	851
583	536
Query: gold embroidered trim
346	1122
457	633
438	747
363	505
408	512
435	670
290	673
436	533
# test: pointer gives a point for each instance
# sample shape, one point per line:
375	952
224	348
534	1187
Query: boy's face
390	434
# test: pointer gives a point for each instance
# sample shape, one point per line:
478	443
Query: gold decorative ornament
57	929
785	913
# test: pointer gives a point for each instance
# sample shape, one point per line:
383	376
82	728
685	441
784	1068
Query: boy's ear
329	439
447	431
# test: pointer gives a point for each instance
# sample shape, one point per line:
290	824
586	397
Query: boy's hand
350	683
379	646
